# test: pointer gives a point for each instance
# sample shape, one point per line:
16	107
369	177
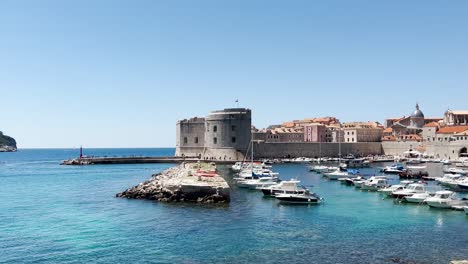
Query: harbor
348	226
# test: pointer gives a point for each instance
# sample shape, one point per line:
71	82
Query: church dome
417	113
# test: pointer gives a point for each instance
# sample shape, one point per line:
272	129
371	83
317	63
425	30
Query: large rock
185	183
7	144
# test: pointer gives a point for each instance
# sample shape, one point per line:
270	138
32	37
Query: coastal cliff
189	182
7	144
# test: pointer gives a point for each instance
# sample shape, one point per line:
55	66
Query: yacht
284	187
409	190
375	183
443	199
305	198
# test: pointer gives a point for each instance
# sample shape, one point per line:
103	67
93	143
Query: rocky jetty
7	144
189	182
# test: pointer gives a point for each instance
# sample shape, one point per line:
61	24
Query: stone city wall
309	149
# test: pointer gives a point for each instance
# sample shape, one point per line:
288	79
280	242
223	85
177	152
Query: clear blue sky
115	73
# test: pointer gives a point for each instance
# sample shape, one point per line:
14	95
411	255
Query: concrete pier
137	160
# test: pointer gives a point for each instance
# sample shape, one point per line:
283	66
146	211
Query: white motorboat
307	198
446	162
418	198
444	199
323	169
254	183
409	190
450	180
284	187
350	181
455	171
394	169
463	185
397	187
375	183
355	163
337	174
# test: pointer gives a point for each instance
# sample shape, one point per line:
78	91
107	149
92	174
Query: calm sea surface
57	214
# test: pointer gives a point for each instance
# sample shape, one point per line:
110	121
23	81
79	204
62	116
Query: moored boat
418	198
284	187
409	190
444	199
307	198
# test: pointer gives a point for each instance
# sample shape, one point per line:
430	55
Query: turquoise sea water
58	214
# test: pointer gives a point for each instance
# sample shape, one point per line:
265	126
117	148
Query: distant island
7	144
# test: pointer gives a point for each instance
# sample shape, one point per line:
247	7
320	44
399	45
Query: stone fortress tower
222	135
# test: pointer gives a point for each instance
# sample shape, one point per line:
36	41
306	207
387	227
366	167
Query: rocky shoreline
7	149
7	144
189	182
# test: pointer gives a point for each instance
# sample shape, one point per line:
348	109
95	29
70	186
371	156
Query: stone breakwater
188	182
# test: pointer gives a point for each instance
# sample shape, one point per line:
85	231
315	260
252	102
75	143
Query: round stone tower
417	118
228	133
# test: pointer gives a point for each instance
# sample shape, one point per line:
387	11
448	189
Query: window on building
196	140
353	139
207	127
215	128
215	140
185	140
233	128
233	139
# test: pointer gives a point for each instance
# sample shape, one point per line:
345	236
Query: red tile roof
432	124
452	129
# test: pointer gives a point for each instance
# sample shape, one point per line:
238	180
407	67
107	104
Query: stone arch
463	152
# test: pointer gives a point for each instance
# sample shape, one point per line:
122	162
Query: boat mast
339	147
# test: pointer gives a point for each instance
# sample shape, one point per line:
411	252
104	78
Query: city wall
312	149
442	150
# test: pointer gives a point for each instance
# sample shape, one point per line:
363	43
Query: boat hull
439	204
297	200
